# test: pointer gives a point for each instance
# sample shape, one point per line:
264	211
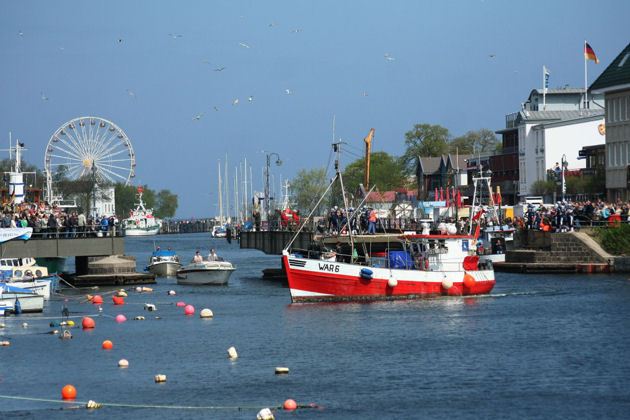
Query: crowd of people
54	222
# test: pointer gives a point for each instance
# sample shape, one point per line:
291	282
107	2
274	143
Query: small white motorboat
164	263
22	300
205	272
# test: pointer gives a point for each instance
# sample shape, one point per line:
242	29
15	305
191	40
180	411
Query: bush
615	240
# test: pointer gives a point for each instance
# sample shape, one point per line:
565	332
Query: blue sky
386	65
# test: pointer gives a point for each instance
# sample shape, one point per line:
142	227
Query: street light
278	163
565	164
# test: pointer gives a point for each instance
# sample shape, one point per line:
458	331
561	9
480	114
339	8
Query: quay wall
273	242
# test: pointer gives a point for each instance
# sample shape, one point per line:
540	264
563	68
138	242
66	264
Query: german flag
589	53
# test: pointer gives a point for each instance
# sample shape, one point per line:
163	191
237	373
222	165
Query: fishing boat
414	266
141	221
164	263
22	300
206	272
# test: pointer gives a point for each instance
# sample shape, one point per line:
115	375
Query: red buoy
180	304
87	322
108	345
189	310
69	392
97	300
118	300
290	404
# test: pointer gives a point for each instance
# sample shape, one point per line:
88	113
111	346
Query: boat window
16	262
38	273
10	263
17	273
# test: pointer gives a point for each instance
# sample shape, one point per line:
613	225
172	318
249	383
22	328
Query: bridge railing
96	231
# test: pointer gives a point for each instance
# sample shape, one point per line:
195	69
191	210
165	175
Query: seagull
288	91
491	55
20	33
250	99
242	44
120	41
365	93
42	96
130	92
220	69
390	59
216	108
175	36
295	31
198	117
61	48
235	102
272	24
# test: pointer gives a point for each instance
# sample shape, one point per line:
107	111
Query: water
539	346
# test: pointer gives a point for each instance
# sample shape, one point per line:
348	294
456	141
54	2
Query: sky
152	68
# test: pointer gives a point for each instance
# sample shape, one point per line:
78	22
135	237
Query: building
549	128
103	201
614	83
440	172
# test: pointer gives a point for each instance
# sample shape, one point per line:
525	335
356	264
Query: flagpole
585	78
544	89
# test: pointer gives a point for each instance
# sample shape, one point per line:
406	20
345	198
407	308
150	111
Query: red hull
310	286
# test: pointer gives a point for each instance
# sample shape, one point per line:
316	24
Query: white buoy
171	292
2	326
265	414
392	282
122	293
139	318
150	307
25	325
282	370
206	313
138	289
232	353
160	378
123	363
447	284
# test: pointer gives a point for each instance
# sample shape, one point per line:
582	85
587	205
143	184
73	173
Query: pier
273	242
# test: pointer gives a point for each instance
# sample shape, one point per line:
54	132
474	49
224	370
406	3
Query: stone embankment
570	252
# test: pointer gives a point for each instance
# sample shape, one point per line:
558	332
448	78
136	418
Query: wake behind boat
414	266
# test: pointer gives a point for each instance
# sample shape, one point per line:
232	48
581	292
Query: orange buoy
108	345
189	310
290	404
69	392
87	322
147	289
89	297
97	300
469	281
180	304
118	300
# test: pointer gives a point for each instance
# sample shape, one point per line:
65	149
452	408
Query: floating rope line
176	407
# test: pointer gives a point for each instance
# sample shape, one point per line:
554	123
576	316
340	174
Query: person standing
256	217
371	221
213	256
81	223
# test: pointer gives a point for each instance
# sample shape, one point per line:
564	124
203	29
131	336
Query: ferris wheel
89	146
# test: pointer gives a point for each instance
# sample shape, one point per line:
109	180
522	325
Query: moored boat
22	300
164	263
141	221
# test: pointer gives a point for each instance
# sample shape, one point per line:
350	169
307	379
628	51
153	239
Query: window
610	155
618	115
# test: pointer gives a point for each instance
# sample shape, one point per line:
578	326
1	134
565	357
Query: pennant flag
478	215
459	200
441	194
546	72
589	53
499	195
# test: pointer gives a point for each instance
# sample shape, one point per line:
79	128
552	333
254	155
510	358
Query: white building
561	129
103	201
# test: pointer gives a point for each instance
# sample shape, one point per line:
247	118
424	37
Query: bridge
63	247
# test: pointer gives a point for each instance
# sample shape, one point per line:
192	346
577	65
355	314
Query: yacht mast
220	195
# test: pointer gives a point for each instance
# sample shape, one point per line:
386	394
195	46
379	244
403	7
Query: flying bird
120	41
288	91
216	108
42	96
20	33
198	117
295	31
235	101
130	92
272	24
242	44
250	99
364	93
175	36
219	69
491	55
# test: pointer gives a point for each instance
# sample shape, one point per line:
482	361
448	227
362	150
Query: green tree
482	140
125	199
423	140
166	204
543	187
307	188
386	173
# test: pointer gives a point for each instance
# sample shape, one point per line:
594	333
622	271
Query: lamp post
564	185
278	163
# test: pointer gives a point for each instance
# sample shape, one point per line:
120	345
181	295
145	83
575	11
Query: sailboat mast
220	195
227	189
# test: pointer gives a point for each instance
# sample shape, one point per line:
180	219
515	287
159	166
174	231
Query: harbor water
543	346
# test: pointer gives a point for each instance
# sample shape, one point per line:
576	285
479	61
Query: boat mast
220	195
227	190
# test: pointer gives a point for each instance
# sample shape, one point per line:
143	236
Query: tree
423	140
385	173
543	188
125	199
166	204
307	187
482	140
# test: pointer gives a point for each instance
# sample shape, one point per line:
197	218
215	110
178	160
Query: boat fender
447	284
469	281
17	307
232	354
392	282
366	273
160	378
